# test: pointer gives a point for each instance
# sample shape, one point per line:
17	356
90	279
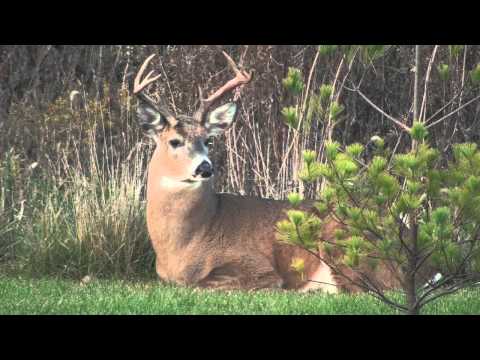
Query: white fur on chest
322	280
173	184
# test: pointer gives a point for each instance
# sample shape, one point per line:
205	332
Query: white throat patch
172	184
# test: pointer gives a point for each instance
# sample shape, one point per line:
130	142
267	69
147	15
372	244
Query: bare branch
423	108
397	122
452	113
459	94
454	288
415	83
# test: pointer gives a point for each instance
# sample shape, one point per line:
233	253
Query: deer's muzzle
205	170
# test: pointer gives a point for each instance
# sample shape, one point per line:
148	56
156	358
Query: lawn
54	296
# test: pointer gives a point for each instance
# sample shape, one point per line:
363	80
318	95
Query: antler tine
231	63
239	73
140	85
241	78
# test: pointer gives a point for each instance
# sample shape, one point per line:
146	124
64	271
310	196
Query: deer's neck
177	215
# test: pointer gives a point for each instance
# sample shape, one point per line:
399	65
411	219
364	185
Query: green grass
53	296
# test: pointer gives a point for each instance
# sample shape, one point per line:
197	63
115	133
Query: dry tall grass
80	212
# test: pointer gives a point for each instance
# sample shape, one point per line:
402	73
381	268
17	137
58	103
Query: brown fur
226	241
220	240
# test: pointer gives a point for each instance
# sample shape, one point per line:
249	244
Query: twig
308	85
395	150
452	113
451	290
446	105
415	85
322	282
423	109
169	88
398	123
463	71
342	85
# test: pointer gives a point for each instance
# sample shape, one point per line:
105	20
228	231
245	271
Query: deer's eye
175	143
209	142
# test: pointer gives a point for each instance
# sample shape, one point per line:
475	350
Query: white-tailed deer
207	239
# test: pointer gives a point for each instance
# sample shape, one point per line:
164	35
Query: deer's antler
139	86
241	78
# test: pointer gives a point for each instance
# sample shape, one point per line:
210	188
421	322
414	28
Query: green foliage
335	110
464	151
372	53
407	203
296	217
412	163
295	199
387	208
387	185
298	265
309	156
433	183
322	208
454	50
312	171
314	108
344	165
441	215
405	163
331	150
300	229
327	49
475	75
377	165
294	81
350	51
378	141
472	184
354	150
418	131
443	71
290	116
320	105
356	249
326	91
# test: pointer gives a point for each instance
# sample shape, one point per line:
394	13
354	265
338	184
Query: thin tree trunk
410	280
416	81
416	89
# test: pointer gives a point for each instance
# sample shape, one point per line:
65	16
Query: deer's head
183	141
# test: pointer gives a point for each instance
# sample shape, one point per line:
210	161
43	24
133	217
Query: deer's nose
205	170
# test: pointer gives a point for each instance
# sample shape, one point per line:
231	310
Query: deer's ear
220	119
150	119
